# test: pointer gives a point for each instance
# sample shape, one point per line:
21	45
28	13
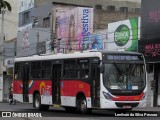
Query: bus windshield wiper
118	69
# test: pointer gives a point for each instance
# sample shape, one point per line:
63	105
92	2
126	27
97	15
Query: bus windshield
124	76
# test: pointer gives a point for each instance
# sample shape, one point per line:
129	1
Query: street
60	113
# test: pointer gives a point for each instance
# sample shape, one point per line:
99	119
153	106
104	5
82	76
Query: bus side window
36	70
18	71
83	69
69	69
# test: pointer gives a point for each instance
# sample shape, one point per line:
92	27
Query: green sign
122	35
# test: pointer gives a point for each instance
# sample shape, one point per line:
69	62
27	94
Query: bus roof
71	55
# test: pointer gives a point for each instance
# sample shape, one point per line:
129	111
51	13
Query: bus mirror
102	68
148	68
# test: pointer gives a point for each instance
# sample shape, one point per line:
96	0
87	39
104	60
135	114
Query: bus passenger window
46	69
18	71
83	69
69	69
36	71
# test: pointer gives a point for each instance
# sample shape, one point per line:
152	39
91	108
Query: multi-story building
10	33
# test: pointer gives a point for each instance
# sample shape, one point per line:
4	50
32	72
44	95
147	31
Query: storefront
151	50
149	43
7	77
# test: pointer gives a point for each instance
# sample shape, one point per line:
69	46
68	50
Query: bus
82	81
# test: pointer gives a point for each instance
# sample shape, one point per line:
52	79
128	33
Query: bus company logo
122	35
42	88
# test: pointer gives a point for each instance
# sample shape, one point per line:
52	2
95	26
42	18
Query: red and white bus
82	81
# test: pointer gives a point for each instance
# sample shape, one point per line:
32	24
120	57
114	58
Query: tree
4	5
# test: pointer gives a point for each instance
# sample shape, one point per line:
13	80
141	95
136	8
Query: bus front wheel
82	106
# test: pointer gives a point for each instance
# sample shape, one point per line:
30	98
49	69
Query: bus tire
37	103
82	105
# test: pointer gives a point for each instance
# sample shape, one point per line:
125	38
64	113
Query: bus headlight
107	95
144	96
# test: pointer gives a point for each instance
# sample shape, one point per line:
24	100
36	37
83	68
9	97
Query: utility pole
1	56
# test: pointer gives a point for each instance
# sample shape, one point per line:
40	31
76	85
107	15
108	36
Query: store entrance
156	91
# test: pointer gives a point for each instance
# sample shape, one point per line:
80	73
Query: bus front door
56	76
95	84
25	82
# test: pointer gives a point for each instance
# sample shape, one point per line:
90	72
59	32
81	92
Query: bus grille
126	104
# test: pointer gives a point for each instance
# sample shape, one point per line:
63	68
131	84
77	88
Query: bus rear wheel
37	103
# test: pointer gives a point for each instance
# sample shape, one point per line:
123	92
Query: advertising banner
150	48
123	35
94	41
73	25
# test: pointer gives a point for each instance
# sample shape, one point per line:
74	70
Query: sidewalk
147	109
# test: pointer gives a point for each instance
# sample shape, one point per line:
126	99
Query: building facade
149	44
10	33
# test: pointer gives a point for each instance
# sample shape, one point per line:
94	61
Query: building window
111	8
46	22
25	18
137	10
124	9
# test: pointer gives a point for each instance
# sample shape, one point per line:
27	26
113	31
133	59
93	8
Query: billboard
94	41
33	41
123	35
150	13
73	25
149	44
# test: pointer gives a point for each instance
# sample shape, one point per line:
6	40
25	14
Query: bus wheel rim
83	105
37	103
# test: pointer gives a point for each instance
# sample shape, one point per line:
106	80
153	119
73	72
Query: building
10	32
149	44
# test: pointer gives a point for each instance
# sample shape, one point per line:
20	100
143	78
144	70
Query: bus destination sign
123	57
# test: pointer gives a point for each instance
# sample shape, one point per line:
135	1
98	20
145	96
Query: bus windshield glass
124	76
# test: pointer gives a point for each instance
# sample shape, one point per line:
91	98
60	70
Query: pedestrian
10	97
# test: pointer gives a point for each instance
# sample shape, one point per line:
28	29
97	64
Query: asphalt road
60	113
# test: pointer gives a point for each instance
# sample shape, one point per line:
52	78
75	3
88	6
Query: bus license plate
126	106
